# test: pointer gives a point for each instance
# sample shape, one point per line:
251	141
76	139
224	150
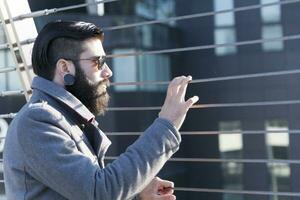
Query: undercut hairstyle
60	39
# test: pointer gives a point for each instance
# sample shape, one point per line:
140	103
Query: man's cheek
95	78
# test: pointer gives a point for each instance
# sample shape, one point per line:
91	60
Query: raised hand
175	107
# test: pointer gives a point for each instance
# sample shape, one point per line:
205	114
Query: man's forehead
93	47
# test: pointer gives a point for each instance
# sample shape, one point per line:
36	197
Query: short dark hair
60	39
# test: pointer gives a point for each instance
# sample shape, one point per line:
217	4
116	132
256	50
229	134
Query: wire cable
199	15
214	79
227	191
220	105
249	192
225	78
199	106
8	116
7	69
4	46
175	50
25	42
11	93
202	133
205	47
199	133
45	12
220	160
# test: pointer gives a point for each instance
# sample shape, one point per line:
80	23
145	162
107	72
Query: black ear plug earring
69	79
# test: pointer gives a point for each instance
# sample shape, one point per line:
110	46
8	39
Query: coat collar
61	94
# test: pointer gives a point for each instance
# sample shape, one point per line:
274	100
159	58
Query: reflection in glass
224	36
154	68
165	8
95	9
147	36
277	142
269	32
224	19
231	146
142	68
146	9
156	9
270	13
125	70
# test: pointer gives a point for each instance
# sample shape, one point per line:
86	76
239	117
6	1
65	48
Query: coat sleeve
53	159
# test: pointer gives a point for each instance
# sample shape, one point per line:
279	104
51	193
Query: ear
64	67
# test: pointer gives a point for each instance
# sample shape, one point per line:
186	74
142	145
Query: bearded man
54	148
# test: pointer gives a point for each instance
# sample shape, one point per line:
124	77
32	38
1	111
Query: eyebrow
97	57
102	56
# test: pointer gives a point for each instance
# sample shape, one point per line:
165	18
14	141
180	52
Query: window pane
280	136
231	146
272	31
95	9
100	9
230	142
14	82
146	9
154	68
124	69
147	36
277	142
165	8
223	36
270	13
224	19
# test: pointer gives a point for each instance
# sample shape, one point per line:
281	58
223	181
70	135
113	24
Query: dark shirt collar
61	94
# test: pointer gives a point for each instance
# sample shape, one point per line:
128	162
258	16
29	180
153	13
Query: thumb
164	184
165	197
165	187
191	101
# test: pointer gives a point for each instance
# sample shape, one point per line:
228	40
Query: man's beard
93	96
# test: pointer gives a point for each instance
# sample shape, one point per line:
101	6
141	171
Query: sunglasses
99	60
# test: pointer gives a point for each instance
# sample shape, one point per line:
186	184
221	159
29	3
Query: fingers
191	101
175	107
164	187
166	197
178	86
173	86
166	190
183	87
163	183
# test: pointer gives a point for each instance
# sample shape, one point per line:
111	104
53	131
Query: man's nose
106	72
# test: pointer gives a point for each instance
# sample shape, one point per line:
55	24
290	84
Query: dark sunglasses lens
101	62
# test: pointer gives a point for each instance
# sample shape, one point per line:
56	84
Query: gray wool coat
55	150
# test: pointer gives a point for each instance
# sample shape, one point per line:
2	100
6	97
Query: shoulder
40	121
41	110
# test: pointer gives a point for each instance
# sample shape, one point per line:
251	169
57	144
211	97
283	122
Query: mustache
101	88
105	83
